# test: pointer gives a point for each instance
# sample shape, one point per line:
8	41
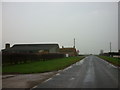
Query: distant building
104	54
31	48
111	54
68	51
114	54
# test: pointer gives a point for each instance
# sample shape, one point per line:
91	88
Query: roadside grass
41	66
113	60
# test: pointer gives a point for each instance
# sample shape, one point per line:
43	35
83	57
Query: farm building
68	51
112	54
31	48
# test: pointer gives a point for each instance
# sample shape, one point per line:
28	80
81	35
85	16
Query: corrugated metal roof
24	47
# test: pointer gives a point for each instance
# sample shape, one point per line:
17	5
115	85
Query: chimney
7	45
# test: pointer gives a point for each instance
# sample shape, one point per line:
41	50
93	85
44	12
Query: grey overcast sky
93	24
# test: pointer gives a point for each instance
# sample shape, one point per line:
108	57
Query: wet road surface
91	72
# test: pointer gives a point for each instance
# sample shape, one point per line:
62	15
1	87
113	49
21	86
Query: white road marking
80	62
72	78
67	68
113	65
57	74
109	64
48	79
34	87
59	70
77	63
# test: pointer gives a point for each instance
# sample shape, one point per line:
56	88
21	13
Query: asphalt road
91	72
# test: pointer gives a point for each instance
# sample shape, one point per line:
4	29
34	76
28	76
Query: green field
41	66
113	60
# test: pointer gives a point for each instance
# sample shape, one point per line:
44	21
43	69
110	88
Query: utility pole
110	50
74	42
110	47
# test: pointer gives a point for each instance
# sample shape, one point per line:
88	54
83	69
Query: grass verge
113	60
41	66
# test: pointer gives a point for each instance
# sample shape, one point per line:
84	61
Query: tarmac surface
91	72
25	80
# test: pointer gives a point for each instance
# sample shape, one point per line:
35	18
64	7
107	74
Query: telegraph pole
110	47
110	50
74	42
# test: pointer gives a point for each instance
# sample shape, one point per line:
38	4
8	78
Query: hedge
17	58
